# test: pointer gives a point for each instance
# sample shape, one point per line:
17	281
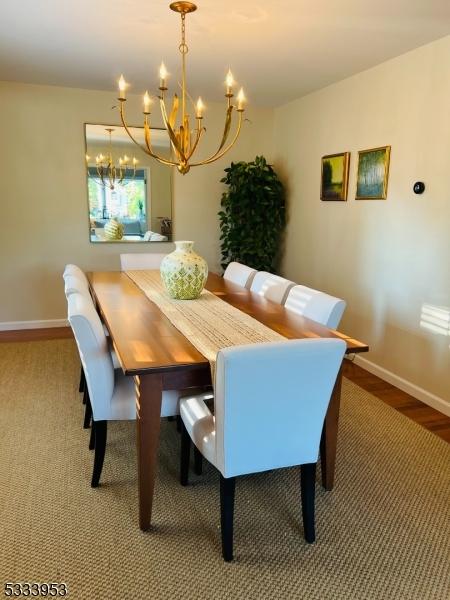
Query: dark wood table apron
159	357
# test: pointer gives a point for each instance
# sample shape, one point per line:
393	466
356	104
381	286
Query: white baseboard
14	325
432	400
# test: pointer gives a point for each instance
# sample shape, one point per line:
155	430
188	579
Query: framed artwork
373	173
334	179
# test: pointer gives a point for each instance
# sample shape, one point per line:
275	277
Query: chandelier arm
219	153
185	137
147	151
200	131
122	175
150	151
174	111
226	132
170	131
102	175
93	176
127	129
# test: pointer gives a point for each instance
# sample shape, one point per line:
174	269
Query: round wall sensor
419	187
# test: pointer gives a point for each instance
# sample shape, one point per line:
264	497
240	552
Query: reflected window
127	201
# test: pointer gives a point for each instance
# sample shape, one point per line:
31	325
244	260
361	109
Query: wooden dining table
153	351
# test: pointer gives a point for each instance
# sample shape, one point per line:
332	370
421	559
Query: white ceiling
277	49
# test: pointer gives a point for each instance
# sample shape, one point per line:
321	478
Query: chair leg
227	487
82	384
92	438
179	425
198	461
87	411
100	446
184	456
308	493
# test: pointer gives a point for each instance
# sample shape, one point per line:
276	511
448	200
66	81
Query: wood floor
414	409
35	335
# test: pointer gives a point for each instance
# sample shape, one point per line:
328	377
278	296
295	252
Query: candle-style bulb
147	103
241	99
135	161
162	75
125	159
87	157
229	81
200	108
122	87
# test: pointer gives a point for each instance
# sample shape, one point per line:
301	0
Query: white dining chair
256	386
315	305
74	283
74	270
139	262
111	393
273	287
239	274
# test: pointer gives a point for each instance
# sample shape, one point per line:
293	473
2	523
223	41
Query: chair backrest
94	353
140	262
270	403
271	286
152	236
75	285
239	274
73	270
315	305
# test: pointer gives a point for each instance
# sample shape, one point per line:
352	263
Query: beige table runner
208	322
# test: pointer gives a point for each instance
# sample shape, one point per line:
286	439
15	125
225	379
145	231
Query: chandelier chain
183	47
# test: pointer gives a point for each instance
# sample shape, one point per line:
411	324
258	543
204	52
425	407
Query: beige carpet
383	533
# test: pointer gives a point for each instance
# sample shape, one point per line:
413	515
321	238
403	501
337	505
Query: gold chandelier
183	140
109	175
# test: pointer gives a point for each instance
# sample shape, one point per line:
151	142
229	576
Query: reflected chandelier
109	175
183	141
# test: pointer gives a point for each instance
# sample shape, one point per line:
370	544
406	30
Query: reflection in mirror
129	193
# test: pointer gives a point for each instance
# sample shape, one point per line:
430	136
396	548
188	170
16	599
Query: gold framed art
334	176
373	173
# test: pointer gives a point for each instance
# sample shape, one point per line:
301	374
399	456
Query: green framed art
373	173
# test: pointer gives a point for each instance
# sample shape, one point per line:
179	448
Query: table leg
328	443
148	418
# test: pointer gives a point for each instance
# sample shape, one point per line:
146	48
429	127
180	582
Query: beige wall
43	192
389	259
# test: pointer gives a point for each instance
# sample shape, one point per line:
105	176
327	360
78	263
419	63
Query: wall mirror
129	193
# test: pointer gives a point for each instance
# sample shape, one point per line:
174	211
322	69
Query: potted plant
253	215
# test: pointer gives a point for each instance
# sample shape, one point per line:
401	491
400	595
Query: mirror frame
87	188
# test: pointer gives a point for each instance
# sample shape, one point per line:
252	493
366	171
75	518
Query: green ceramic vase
184	272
